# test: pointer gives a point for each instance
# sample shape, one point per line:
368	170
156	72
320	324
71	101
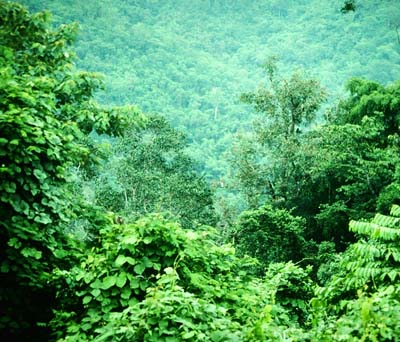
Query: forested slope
190	60
109	233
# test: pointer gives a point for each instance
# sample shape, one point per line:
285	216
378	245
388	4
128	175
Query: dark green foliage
270	235
370	99
348	6
388	196
353	159
292	289
45	111
342	170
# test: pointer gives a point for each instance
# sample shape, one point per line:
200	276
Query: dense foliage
361	302
148	170
153	281
277	229
191	60
46	112
105	221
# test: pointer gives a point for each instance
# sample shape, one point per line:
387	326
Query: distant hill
190	60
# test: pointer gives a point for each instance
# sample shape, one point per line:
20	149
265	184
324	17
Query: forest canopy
206	189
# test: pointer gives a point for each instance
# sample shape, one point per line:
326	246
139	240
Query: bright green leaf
121	279
95	292
86	299
108	282
121	259
139	268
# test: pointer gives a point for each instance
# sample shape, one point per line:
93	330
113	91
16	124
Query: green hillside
237	180
191	60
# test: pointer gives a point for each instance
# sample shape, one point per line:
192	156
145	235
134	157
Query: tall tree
353	160
286	107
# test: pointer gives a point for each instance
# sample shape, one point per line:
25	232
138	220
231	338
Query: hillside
190	60
111	231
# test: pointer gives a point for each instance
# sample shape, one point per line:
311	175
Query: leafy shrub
270	235
361	302
290	289
154	281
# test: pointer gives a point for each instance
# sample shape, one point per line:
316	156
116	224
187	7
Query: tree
373	100
270	235
286	107
353	161
46	110
348	6
149	171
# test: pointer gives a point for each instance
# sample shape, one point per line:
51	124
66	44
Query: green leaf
20	206
133	301
31	252
393	275
121	279
139	268
14	142
14	242
130	240
54	139
126	293
143	284
163	324
42	218
188	335
95	292
86	299
39	174
134	283
169	270
121	259
148	239
108	282
10	187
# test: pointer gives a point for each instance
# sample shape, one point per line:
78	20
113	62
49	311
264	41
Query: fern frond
374	230
392	274
368	251
371	271
374	260
392	252
387	221
361	275
395	211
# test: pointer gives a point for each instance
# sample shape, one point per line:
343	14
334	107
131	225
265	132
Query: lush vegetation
191	60
112	230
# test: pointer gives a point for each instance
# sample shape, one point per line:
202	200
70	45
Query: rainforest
203	170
